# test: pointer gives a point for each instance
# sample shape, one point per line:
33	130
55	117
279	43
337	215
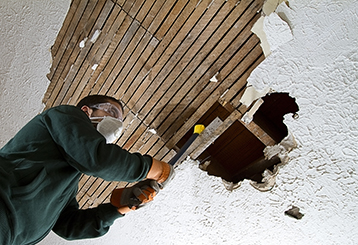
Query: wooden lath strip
139	69
120	2
126	61
170	18
76	73
173	38
131	68
184	63
160	71
160	17
152	14
226	77
140	9
64	41
106	52
70	19
244	68
198	82
124	69
90	63
71	51
129	38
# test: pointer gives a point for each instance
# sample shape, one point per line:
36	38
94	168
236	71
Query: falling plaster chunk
214	78
95	36
251	94
270	6
249	116
294	212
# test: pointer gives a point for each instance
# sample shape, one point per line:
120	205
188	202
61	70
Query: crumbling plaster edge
283	148
252	96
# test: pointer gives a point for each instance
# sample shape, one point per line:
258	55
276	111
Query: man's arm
75	223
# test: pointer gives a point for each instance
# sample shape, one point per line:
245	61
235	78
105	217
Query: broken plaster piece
152	131
258	29
83	42
271	5
95	36
214	78
251	94
248	116
282	149
278	32
272	31
230	186
94	67
268	180
294	212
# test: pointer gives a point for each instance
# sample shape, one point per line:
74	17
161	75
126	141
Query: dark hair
96	99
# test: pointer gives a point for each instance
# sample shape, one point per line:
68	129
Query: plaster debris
204	166
251	94
268	180
294	212
152	130
95	36
257	28
270	6
214	78
227	90
282	149
83	42
249	116
230	186
278	32
94	67
272	30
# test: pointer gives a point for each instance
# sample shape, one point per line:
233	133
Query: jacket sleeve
85	149
75	223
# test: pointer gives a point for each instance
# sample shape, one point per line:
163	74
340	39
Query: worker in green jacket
40	169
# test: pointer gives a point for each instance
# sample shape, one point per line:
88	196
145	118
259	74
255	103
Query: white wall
319	68
28	29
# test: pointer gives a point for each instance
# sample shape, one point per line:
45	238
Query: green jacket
39	173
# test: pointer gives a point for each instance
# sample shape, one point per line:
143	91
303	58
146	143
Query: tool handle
197	130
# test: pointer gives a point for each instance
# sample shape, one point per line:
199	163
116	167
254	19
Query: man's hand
127	199
162	172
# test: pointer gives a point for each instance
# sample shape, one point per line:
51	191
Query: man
41	166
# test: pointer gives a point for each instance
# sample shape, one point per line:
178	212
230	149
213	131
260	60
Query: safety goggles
110	109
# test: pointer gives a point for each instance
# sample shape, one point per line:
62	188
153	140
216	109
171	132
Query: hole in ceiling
238	154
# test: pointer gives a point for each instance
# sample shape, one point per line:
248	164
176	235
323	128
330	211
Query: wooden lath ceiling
158	58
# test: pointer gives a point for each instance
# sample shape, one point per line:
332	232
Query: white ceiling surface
319	68
28	30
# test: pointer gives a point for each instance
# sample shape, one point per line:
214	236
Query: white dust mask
109	127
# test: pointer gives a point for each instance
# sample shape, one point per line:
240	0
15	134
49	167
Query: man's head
106	114
101	105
